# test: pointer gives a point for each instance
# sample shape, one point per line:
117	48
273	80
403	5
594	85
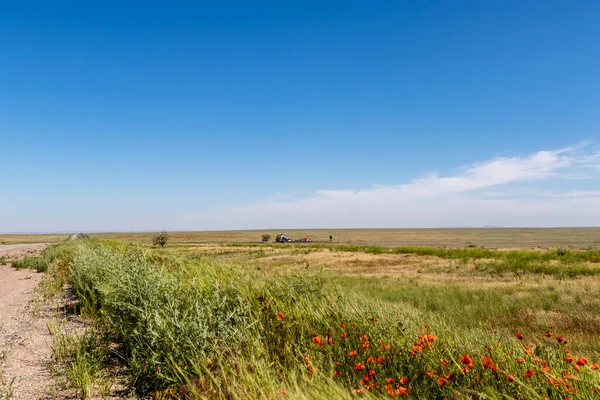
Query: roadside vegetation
271	322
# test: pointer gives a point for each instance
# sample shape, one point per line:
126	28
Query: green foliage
191	327
56	257
160	239
266	237
81	360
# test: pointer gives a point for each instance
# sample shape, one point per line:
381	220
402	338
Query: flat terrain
481	237
24	339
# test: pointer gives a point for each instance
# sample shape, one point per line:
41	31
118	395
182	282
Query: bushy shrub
160	239
266	237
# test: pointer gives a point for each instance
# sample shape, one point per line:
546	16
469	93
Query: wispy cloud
474	196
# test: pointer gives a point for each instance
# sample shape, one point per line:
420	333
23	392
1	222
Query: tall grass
56	256
189	327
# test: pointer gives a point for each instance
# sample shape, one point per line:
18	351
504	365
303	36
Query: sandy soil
24	338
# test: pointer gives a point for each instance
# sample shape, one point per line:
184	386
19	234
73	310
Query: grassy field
489	237
232	321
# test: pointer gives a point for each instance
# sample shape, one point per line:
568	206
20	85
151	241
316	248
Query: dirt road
24	338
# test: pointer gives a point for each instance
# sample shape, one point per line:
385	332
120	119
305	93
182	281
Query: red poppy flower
510	378
353	353
442	381
548	334
389	380
520	336
344	335
359	367
317	340
279	316
521	360
594	366
443	361
403	380
466	359
402	390
380	359
528	374
569	358
561	340
582	361
371	360
336	373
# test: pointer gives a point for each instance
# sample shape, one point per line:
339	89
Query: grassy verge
189	326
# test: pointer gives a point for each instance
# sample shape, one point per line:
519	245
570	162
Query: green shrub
160	239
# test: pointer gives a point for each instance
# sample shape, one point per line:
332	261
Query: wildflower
389	380
510	378
329	340
548	334
344	335
404	380
466	359
359	367
371	360
380	359
402	390
431	374
359	391
441	381
443	361
279	316
365	337
521	360
561	340
528	374
353	353
582	361
431	338
569	359
520	336
488	364
371	372
366	345
594	366
317	341
337	373
374	319
343	326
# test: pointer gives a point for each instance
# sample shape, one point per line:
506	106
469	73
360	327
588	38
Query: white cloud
470	198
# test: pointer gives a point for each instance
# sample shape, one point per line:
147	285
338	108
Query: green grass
57	256
206	326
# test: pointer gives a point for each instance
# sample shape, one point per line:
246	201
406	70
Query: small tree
160	239
266	237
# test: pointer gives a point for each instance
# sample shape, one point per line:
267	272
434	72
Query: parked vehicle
282	238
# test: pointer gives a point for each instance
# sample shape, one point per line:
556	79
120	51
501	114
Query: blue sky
234	115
